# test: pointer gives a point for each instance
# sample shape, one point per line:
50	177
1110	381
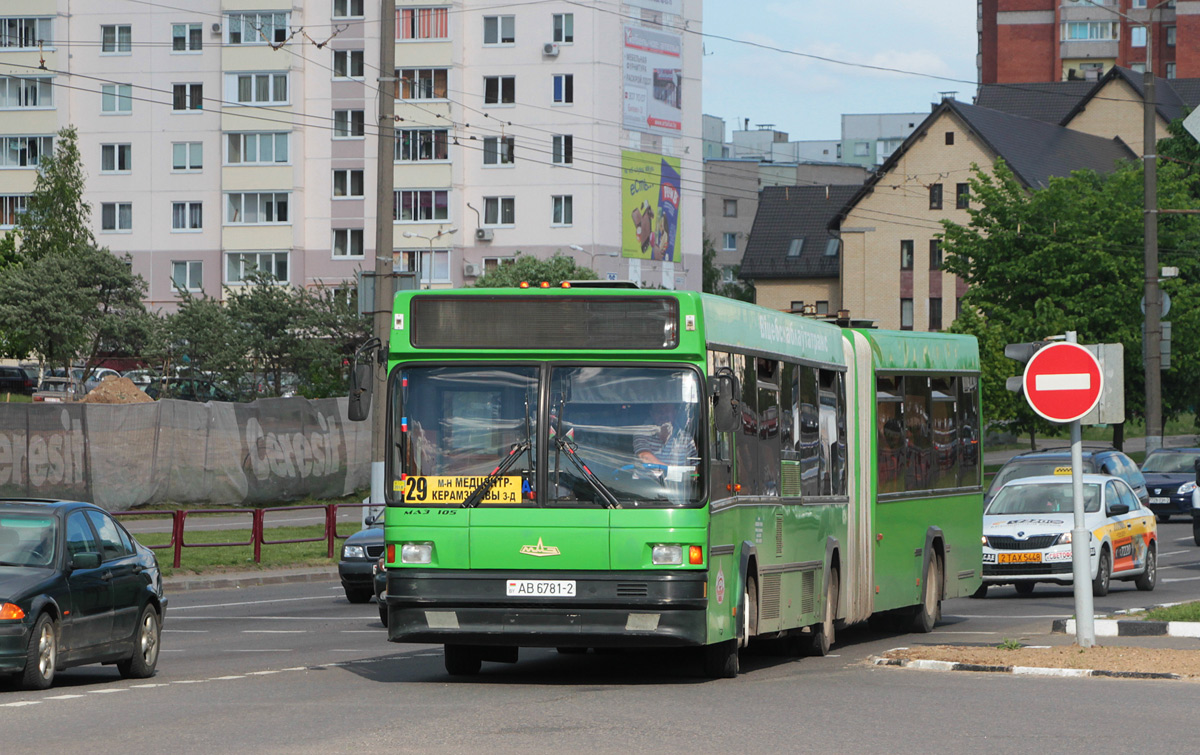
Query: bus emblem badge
540	550
720	586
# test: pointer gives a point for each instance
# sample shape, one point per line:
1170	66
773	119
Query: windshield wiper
481	490
608	499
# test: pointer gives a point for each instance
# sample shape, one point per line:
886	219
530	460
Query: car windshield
616	436
27	540
1042	499
1170	462
1017	470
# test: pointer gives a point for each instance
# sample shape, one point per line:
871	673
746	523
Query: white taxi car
1027	534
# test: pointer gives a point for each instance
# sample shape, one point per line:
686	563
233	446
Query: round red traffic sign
1063	382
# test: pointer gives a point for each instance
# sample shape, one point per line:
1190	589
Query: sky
805	97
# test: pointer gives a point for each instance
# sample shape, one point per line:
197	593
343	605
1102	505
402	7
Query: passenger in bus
669	441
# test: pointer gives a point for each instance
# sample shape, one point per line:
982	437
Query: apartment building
230	136
1063	40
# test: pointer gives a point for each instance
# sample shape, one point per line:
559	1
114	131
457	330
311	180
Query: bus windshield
616	436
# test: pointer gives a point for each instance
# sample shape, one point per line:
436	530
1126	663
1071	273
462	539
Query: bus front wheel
721	660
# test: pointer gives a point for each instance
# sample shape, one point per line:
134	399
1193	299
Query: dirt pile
1186	663
116	390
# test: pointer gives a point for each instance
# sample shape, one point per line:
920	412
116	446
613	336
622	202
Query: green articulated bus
607	467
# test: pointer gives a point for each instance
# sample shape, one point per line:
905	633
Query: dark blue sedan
75	589
1170	479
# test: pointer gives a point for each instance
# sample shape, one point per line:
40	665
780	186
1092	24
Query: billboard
653	82
649	206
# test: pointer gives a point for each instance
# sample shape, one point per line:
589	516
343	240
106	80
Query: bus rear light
416	553
666	555
391	553
11	611
695	555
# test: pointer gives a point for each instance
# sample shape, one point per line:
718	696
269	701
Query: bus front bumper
608	609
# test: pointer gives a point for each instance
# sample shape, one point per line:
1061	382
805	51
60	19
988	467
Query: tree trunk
1119	436
1032	441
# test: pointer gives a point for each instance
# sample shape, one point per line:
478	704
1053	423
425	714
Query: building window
422	144
116	158
435	264
1137	67
906	254
499	30
260	28
498	150
832	246
491	264
265	148
257	208
949	138
116	98
420	205
499	90
564	28
1091	31
906	314
186	156
795	247
188	275
24	151
257	88
187	37
499	211
187	216
1171	36
935	254
730	242
25	33
1137	36
822	307
564	88
1171	70
962	196
347	184
797	307
240	265
116	216
116	39
562	210
421	83
348	124
22	93
563	150
347	64
348	242
422	23
862	149
347	8
11	205
935	196
730	208
935	313
187	97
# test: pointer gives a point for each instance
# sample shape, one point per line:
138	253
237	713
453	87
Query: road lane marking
258	650
105	691
1181	579
365	617
1181	566
941	632
274	631
1023	616
172	609
22	703
187	631
1172	553
62	697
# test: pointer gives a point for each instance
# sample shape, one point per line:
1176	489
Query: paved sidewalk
179	582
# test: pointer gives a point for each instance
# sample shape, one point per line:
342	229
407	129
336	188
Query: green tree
268	323
200	335
336	330
528	268
711	280
56	217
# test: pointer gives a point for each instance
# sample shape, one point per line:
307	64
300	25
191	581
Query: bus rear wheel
462	660
930	608
823	634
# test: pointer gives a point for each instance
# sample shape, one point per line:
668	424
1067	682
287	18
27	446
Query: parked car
188	389
93	379
1027	534
1171	477
15	380
75	589
380	575
142	378
1057	461
56	390
360	552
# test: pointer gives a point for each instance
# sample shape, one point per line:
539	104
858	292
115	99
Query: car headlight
353	551
1187	487
1063	539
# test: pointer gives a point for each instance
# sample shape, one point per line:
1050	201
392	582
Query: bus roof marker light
545	284
566	284
524	284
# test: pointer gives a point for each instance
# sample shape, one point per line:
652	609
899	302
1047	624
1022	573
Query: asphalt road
296	668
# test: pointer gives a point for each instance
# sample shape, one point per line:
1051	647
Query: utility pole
384	190
1153	336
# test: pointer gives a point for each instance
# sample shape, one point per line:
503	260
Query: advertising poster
653	71
649	206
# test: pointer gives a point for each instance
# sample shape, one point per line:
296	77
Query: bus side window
917	433
810	433
747	442
842	463
889	414
768	425
944	424
827	411
968	432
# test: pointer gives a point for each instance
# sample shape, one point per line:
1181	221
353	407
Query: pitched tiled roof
786	213
1042	101
1169	103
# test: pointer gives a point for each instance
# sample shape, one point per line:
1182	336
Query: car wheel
462	660
1024	588
1149	578
930	608
1103	574
1196	531
359	595
41	655
1164	517
383	612
824	634
141	664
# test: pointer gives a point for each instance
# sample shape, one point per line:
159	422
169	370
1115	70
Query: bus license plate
541	588
1020	558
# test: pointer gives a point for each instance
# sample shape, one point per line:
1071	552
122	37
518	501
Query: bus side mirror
362	381
724	389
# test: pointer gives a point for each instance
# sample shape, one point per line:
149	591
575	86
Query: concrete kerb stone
927	665
1133	627
248	579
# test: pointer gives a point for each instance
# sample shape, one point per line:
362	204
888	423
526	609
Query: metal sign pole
1085	630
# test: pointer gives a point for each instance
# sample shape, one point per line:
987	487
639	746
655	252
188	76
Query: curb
202	582
924	665
1132	628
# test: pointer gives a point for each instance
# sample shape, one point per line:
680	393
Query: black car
15	380
75	588
360	552
1171	477
1055	461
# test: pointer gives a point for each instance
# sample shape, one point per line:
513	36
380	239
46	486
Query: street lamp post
591	255
430	239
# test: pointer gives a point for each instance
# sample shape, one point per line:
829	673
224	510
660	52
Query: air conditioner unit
472	269
483	234
550	48
216	27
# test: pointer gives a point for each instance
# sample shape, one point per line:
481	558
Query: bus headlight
666	555
416	553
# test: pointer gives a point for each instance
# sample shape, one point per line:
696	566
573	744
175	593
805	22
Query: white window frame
246	260
562	28
1171	36
562	210
245	29
345	176
398	205
500	102
193	98
421	139
15	152
193	157
17	29
562	89
1096	31
245	138
499	151
410	30
348	239
345	124
422	83
187	217
118	95
119	46
192	272
254	79
122	218
348	8
235	207
352	64
495	263
192	34
497	35
1137	36
725	241
496	208
17	88
12	205
116	154
431	271
562	150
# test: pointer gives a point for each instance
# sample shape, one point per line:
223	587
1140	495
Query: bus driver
666	444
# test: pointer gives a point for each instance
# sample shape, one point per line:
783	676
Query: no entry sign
1063	382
